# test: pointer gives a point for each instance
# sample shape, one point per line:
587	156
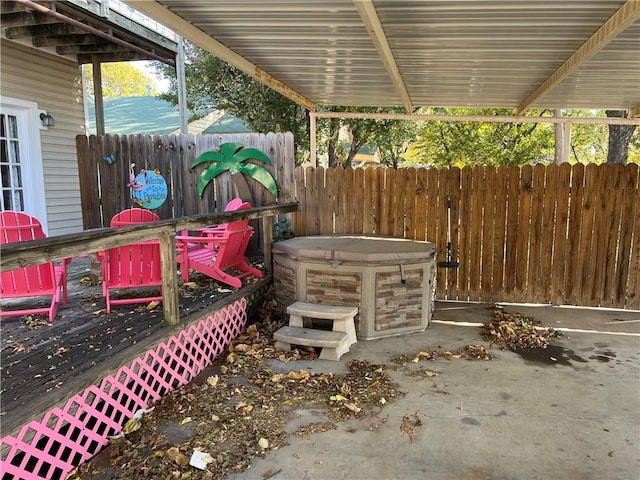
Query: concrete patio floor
571	411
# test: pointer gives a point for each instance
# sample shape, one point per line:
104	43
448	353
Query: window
10	167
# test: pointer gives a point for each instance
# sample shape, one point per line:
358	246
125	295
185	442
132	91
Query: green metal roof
144	115
227	124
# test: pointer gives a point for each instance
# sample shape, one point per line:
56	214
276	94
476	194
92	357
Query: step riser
334	343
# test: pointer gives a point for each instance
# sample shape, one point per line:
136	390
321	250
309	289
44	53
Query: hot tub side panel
398	299
391	299
285	279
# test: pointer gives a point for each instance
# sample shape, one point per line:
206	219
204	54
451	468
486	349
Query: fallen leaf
174	454
213	380
353	407
153	304
301	375
131	426
405	427
186	420
263	443
337	398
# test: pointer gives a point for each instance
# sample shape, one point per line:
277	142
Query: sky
161	85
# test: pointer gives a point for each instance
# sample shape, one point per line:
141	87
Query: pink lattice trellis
68	436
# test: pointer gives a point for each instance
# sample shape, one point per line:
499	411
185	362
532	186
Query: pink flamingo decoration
134	184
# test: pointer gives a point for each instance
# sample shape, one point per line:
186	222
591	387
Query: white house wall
55	84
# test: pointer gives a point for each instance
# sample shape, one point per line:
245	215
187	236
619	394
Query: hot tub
390	280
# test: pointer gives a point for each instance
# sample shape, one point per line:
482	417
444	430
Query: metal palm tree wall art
233	158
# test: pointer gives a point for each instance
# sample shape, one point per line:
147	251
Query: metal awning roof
439	53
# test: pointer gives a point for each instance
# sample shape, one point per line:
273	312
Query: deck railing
24	254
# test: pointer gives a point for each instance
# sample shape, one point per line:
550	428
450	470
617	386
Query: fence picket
611	239
500	236
628	218
545	277
572	277
535	283
487	240
476	220
586	258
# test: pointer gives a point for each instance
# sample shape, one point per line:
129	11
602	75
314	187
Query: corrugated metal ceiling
447	53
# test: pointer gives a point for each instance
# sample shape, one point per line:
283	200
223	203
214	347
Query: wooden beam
94	48
110	57
56	40
481	118
41	30
25	19
619	21
99	33
187	30
372	23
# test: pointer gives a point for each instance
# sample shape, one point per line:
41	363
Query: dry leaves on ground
237	409
407	424
515	331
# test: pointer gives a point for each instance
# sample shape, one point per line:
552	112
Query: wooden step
333	344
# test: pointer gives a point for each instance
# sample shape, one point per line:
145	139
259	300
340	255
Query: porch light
47	120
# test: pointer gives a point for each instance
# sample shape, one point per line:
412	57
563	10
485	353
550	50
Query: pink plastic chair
131	266
46	279
222	248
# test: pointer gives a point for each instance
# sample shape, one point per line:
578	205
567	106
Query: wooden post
97	95
312	139
566	137
267	242
169	280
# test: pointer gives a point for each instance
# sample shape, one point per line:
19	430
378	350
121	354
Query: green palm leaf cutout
232	158
252	153
207	157
207	175
262	175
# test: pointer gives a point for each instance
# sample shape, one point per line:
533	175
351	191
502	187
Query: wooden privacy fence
103	184
544	234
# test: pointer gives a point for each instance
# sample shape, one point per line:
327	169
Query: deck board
44	365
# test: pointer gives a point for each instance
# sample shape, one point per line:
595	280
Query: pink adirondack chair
131	266
44	280
219	250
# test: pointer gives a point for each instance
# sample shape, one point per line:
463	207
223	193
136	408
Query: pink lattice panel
68	436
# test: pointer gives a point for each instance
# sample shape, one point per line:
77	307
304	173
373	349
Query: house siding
55	84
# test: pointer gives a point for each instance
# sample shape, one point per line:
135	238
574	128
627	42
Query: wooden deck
44	364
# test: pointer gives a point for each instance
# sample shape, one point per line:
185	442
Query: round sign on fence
151	189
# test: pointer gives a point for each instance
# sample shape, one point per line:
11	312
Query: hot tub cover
356	248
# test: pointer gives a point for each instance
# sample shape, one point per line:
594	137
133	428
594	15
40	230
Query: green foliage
391	137
475	143
120	79
232	158
212	83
